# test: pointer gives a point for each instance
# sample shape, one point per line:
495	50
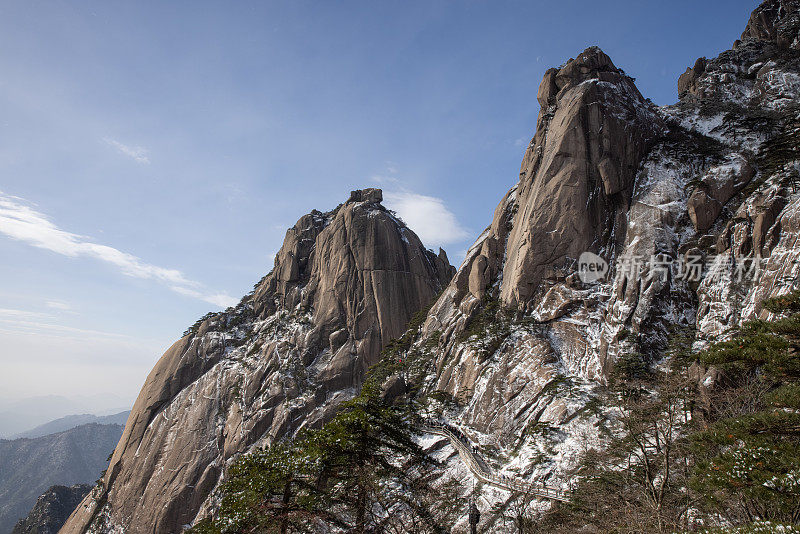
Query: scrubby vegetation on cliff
712	440
362	472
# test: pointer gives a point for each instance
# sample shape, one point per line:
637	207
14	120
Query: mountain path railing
479	468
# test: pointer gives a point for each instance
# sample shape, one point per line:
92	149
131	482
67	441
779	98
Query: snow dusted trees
704	439
748	459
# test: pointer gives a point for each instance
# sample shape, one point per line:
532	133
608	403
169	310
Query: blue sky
152	154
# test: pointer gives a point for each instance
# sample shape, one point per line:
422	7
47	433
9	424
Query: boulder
372	195
547	89
718	185
703	210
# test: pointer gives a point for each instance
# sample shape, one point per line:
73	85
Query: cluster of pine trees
362	472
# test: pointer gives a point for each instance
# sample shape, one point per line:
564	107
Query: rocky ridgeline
711	179
520	344
345	283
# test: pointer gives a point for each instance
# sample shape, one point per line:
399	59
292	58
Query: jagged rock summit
575	185
516	323
776	21
575	189
345	282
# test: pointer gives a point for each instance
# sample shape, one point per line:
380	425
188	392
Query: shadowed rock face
775	21
52	509
345	282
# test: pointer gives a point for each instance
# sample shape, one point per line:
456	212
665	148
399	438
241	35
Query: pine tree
749	458
361	472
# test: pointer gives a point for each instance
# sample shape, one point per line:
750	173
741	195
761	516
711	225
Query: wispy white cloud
388	176
137	153
384	179
37	323
220	299
428	216
58	305
21	222
7	314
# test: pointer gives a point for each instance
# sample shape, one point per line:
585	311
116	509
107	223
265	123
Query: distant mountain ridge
28	466
72	421
52	509
23	414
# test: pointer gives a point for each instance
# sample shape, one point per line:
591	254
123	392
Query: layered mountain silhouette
29	466
71	421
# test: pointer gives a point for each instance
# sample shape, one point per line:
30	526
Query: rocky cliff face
747	100
776	22
576	179
521	339
523	344
574	193
345	282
